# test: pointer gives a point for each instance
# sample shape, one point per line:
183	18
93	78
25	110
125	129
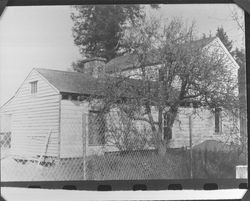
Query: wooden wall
203	128
73	125
5	123
32	116
74	129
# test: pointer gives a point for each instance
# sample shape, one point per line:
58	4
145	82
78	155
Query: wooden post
84	143
46	145
190	145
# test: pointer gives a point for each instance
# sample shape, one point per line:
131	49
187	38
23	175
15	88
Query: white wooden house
52	102
128	65
206	126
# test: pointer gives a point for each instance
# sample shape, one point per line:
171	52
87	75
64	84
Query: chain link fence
117	165
118	147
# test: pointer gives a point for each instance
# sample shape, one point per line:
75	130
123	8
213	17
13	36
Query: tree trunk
162	137
169	118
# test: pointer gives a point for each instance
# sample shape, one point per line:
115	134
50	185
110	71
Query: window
97	128
217	120
167	132
65	97
73	97
161	75
33	87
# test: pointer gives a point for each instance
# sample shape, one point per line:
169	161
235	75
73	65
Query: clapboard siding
33	116
72	141
203	128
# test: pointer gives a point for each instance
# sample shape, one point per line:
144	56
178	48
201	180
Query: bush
216	164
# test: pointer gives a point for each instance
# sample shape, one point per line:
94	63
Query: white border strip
19	194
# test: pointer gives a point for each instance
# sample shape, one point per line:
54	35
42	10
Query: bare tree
238	18
185	71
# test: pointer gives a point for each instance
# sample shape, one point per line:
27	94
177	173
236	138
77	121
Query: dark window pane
33	87
217	120
161	75
96	128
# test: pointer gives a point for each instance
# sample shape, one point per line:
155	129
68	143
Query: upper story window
33	86
217	121
161	75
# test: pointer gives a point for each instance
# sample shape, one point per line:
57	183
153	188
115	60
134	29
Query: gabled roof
80	83
130	61
71	82
83	84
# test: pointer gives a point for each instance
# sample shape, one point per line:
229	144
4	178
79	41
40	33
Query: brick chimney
94	66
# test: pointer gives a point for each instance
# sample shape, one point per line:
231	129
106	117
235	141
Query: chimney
94	66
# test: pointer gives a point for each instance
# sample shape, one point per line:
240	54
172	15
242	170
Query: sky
41	37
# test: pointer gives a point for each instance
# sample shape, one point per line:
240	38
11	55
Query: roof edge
7	102
15	94
153	63
227	52
54	87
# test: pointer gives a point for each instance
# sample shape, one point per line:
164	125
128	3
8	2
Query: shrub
215	164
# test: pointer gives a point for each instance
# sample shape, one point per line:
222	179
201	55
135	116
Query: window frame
217	121
34	87
101	132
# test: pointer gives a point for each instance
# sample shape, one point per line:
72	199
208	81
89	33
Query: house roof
80	83
130	61
71	82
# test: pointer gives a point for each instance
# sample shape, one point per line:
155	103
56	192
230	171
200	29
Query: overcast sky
41	37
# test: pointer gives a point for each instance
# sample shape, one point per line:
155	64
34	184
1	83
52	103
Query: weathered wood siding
5	123
113	123
32	116
73	128
203	128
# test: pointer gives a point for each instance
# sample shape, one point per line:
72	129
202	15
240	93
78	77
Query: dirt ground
31	171
109	167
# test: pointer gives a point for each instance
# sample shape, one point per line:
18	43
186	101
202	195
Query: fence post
84	143
190	144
